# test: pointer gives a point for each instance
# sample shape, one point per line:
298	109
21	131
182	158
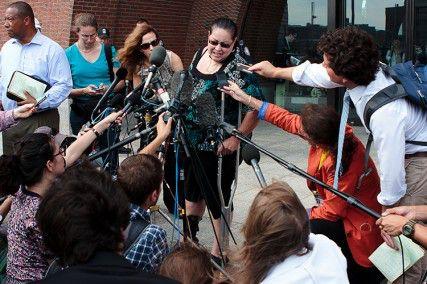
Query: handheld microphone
157	57
133	98
121	74
251	156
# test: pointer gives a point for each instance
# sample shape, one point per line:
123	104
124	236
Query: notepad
389	261
21	82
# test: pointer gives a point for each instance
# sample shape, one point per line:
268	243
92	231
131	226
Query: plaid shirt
148	252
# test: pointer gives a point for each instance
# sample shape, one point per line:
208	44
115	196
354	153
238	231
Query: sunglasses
148	44
222	44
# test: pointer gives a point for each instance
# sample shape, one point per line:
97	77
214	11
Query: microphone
181	89
251	156
157	57
205	110
133	98
181	86
125	141
121	74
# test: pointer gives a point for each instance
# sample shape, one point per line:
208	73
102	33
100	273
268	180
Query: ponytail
10	174
27	165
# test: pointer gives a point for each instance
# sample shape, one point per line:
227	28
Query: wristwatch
408	229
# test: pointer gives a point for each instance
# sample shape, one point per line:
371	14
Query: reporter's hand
408	212
90	90
389	240
234	91
228	146
108	120
29	99
265	69
163	129
392	224
23	111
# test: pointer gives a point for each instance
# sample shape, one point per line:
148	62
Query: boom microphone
251	156
205	110
181	89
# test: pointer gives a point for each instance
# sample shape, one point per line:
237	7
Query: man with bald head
34	54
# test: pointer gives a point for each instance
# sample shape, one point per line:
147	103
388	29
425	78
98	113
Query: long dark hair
322	124
27	165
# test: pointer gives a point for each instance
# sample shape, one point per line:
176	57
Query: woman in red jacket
353	230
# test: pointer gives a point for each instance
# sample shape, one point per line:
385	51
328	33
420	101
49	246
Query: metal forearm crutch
226	208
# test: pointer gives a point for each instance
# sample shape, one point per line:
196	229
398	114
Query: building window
302	24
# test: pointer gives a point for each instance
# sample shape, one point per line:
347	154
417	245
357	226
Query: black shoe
124	150
218	260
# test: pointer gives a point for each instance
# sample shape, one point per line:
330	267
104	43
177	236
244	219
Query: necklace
215	66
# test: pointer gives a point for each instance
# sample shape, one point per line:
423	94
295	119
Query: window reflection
385	21
420	31
302	24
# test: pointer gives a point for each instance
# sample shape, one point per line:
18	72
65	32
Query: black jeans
335	231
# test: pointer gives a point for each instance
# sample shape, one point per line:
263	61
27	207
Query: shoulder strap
136	228
109	56
380	99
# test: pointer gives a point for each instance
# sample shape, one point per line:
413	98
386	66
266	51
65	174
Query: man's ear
154	196
27	21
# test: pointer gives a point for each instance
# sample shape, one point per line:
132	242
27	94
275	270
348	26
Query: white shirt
391	125
325	263
42	57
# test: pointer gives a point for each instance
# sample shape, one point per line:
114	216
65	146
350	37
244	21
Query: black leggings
208	190
335	231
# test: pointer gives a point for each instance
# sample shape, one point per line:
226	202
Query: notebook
21	82
389	261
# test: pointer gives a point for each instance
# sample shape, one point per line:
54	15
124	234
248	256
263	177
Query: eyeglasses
148	44
222	44
61	152
88	36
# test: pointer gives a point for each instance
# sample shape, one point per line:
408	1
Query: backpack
136	228
411	84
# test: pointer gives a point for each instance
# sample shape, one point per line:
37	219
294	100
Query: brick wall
54	15
262	27
182	24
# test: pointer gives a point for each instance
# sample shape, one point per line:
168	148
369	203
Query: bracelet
96	132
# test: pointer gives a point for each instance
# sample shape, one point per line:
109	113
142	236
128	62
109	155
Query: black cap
103	32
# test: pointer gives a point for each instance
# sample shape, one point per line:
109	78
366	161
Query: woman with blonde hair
278	246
